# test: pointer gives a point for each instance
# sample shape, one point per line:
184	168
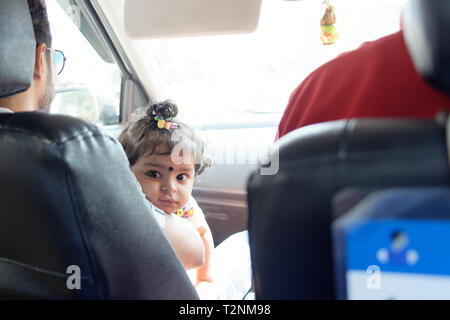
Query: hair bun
167	109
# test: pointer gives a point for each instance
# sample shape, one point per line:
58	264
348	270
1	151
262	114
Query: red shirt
376	80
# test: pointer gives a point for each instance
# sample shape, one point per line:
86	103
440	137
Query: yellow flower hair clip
163	124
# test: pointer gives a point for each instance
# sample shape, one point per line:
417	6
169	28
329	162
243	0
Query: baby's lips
168	201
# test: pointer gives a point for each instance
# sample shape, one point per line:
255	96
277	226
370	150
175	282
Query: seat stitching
80	135
75	211
40	270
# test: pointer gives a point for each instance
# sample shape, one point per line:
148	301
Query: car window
89	86
257	72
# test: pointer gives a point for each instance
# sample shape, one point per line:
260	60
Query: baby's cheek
150	191
185	193
152	197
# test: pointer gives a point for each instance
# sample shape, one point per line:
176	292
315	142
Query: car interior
349	173
100	225
315	203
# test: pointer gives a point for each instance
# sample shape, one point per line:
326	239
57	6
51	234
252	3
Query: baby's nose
168	187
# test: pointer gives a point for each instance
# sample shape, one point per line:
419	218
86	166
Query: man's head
39	95
41	26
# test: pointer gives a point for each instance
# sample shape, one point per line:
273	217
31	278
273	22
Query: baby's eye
153	174
182	177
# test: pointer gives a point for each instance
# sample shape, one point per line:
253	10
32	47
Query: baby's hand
204	275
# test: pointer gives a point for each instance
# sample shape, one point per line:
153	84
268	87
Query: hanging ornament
328	32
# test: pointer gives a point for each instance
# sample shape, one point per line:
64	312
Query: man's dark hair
38	12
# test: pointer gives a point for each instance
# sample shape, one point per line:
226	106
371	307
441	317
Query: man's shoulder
372	63
379	45
370	56
367	53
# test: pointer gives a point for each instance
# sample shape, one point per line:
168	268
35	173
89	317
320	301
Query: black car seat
290	213
74	223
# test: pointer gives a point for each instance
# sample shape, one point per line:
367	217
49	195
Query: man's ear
39	63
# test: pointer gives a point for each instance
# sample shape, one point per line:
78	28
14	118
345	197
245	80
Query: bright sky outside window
257	72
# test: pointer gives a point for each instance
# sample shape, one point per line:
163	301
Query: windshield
257	72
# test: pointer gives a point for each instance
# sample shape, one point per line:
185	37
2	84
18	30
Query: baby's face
167	185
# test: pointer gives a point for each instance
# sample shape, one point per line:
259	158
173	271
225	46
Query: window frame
132	93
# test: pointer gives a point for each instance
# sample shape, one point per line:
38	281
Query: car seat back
290	213
74	222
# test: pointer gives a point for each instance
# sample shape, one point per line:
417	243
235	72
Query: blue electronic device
394	244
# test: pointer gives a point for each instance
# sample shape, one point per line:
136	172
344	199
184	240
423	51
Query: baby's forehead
167	161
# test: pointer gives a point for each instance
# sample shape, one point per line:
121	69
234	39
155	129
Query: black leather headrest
290	213
68	197
17	47
426	26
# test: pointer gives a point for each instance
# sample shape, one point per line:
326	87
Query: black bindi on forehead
170	168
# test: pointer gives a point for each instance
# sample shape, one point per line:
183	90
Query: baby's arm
185	240
196	216
204	273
